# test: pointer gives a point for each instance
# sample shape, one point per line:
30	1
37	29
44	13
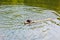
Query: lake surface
12	26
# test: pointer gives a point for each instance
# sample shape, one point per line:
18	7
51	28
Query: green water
50	4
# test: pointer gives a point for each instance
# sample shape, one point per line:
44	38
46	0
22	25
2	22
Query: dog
29	22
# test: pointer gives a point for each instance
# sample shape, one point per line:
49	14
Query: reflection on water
12	23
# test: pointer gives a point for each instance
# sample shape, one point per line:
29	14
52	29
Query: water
12	23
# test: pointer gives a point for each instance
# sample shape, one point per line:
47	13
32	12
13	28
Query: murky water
12	23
